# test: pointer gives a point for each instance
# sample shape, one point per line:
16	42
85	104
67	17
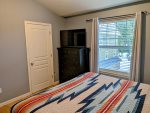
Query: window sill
115	74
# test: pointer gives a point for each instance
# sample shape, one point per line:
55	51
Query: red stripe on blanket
111	103
34	100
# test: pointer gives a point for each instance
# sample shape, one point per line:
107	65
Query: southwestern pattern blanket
89	93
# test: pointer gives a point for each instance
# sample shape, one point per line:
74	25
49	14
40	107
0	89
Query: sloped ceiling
67	8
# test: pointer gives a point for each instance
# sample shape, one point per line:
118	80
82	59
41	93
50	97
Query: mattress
89	93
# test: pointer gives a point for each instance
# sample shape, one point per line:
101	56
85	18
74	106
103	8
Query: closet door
39	54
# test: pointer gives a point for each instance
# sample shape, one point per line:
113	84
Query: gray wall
13	61
79	22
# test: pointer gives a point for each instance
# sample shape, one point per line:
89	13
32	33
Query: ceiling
68	8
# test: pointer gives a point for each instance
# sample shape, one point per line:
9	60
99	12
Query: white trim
37	23
15	99
114	73
56	83
27	50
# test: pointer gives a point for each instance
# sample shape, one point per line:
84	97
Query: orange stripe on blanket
35	100
111	103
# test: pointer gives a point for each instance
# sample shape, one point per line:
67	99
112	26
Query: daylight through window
115	44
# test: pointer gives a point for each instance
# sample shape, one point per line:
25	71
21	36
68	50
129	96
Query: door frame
28	53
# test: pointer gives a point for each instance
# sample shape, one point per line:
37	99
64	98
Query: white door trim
28	55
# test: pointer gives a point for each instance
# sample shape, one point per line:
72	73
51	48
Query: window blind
116	37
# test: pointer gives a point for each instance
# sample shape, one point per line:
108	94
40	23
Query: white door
39	55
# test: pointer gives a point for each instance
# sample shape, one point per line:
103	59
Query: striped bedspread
89	93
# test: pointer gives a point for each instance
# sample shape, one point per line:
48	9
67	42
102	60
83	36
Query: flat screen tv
75	38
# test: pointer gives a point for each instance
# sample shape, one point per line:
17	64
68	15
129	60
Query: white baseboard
55	83
22	96
15	99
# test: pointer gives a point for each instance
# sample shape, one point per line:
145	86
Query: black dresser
72	62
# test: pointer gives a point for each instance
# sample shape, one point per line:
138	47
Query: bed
89	93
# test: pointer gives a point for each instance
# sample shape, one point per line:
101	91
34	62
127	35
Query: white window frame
119	74
114	73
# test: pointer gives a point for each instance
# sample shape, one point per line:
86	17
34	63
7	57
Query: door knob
32	63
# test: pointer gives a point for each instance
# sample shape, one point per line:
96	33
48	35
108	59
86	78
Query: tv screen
73	37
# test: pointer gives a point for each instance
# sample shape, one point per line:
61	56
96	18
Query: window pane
115	45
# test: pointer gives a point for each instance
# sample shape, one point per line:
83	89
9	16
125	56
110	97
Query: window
115	45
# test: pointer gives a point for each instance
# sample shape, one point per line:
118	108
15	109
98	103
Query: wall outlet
0	90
